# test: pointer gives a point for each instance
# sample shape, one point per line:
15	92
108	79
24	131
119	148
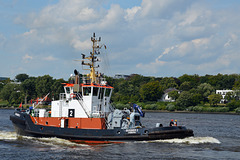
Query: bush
170	107
237	110
233	105
121	106
209	109
151	106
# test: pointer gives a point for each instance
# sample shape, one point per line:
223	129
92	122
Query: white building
223	93
166	98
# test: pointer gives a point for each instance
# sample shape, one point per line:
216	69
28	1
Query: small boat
84	113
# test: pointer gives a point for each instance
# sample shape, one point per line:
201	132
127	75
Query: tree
229	96
57	88
173	94
28	87
233	105
184	100
185	86
43	85
168	83
21	77
11	93
214	99
205	90
197	98
151	91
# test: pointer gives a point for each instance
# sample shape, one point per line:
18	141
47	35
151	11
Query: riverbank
144	110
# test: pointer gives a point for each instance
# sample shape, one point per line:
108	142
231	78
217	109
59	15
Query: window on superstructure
107	93
86	91
101	93
68	90
95	91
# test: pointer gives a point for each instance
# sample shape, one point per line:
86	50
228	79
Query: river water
217	136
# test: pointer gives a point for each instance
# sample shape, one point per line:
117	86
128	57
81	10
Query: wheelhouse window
67	89
101	93
107	93
86	91
95	91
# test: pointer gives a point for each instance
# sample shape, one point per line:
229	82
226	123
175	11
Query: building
4	78
223	93
119	76
166	98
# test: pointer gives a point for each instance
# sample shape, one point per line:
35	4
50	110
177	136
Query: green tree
28	87
184	100
21	77
229	96
233	105
185	86
173	94
214	99
151	91
197	98
43	85
11	93
168	82
57	88
205	90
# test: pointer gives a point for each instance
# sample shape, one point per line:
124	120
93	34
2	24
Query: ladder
81	102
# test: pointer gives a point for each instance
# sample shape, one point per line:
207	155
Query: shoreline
159	111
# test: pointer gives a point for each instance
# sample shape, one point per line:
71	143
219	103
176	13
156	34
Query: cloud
131	12
26	58
50	58
78	45
156	37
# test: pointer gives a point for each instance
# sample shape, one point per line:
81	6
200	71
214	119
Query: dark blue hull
25	126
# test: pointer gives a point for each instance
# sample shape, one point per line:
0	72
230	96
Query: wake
188	140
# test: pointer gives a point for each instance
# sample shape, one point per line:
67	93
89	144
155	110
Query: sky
161	38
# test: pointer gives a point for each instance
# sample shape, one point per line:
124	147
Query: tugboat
84	113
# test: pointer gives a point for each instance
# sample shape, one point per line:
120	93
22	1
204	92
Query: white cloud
79	45
26	58
50	58
131	12
157	37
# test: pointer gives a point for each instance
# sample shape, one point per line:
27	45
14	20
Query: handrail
41	100
81	102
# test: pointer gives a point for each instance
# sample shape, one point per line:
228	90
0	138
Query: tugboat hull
25	126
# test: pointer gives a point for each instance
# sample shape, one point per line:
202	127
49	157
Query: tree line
25	88
190	92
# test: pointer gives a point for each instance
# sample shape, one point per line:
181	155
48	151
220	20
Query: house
166	98
119	76
223	93
4	78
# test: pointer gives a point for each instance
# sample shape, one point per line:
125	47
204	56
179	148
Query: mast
92	59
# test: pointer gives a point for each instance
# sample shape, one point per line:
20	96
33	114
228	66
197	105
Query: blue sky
149	37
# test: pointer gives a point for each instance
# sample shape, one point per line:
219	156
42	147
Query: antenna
92	59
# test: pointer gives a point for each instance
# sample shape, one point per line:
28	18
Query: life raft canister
72	95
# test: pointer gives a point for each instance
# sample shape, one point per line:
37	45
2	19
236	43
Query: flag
20	105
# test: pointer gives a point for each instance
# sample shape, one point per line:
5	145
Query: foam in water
45	141
8	135
190	140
